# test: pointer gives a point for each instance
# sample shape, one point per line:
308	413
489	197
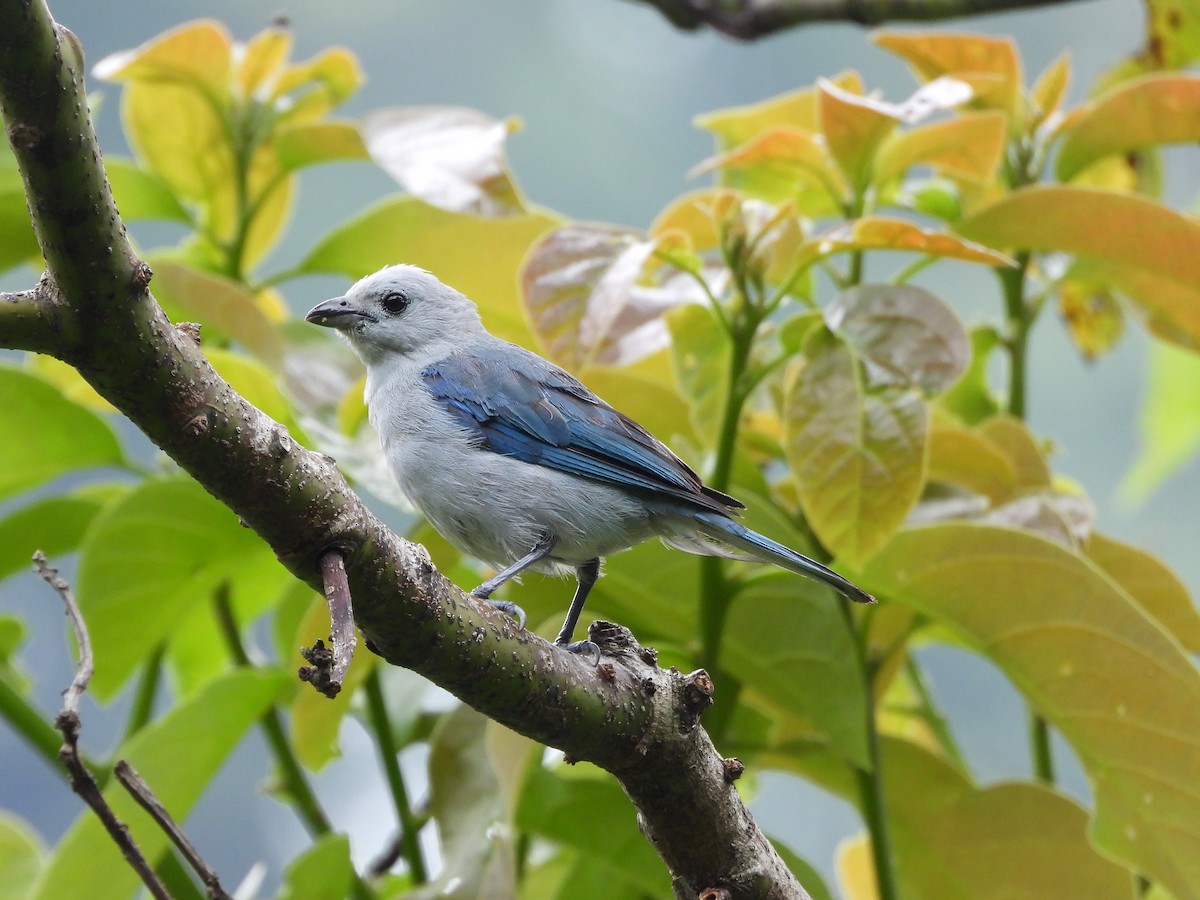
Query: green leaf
301	144
408	229
700	351
1086	656
854	127
572	808
952	839
1016	442
140	194
857	452
1158	109
18	243
322	872
809	878
1148	581
788	638
54	525
47	434
452	157
22	857
1170	420
198	54
466	803
971	398
181	544
178	756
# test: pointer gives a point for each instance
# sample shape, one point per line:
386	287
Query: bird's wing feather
521	406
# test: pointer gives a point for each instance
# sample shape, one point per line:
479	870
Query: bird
515	461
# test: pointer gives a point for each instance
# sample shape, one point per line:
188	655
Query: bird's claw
590	648
510	608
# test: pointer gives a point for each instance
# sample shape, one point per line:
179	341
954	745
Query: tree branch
628	716
749	20
68	722
137	787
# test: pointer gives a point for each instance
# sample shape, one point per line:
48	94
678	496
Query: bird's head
399	310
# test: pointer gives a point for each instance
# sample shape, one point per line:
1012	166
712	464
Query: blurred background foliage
849	325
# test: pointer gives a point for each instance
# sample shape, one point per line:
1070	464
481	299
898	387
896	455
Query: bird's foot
507	606
583	648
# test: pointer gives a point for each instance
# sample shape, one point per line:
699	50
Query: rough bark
749	20
93	309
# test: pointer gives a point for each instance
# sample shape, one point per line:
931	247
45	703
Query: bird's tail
730	532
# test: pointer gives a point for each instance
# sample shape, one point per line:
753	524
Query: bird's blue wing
520	406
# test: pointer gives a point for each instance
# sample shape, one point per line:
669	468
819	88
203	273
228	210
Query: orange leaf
791	152
1158	109
881	233
854	127
933	55
968	147
1122	229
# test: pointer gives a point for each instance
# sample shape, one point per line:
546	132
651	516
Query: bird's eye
395	302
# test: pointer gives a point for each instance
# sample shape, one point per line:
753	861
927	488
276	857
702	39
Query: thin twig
136	785
68	722
329	666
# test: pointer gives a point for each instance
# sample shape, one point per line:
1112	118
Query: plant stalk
377	715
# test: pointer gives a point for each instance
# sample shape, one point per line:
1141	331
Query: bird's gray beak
338	312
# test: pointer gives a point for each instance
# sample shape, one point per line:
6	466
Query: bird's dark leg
484	592
587	575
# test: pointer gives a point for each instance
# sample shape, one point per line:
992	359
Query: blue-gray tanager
513	460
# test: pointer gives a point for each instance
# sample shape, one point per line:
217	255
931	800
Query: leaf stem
143	700
29	723
870	780
295	783
377	716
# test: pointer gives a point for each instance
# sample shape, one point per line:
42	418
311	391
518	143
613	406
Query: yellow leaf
967	147
1013	439
966	458
261	57
1150	583
1094	317
960	55
1049	88
198	54
218	303
327	80
1157	109
68	380
858	456
691	214
1087	657
796	109
952	839
856	868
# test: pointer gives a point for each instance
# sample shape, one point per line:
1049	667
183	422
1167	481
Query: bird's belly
497	509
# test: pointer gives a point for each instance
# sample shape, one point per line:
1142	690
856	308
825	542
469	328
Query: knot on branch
140	280
320	673
696	692
734	768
